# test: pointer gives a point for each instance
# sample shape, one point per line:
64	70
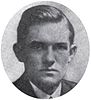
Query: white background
82	8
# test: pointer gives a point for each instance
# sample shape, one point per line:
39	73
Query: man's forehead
51	32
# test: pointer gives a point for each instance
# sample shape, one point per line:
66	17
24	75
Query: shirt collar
40	94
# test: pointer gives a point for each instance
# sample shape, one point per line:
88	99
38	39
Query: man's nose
49	57
50	54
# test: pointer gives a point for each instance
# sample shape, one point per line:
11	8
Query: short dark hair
41	14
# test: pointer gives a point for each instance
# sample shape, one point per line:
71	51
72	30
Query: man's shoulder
23	85
67	86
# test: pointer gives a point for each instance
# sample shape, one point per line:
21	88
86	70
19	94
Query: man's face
47	52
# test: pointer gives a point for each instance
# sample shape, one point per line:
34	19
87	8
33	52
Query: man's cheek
62	59
35	60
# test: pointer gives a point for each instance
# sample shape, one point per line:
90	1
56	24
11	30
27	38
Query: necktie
50	97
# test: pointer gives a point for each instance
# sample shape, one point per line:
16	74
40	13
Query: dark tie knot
50	97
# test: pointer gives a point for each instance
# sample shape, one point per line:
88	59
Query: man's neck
41	94
48	87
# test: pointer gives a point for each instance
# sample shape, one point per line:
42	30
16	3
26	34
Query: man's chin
48	84
50	80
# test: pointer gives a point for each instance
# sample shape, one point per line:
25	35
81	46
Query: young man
45	44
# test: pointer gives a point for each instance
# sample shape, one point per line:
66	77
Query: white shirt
40	94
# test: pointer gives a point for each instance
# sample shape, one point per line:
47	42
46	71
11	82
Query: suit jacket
23	85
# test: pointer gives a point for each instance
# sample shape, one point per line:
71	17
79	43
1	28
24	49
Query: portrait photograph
45	50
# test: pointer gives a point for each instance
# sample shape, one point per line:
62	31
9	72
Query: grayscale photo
45	50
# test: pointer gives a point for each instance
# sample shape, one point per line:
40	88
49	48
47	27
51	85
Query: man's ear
73	51
19	52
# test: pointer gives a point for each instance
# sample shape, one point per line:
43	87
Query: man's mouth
49	70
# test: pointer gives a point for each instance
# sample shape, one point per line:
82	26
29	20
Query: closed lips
49	70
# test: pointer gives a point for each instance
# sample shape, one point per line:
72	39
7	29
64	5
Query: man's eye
60	47
37	46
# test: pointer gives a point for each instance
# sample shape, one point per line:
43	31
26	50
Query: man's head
45	45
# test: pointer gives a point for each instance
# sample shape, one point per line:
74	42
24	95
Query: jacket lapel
24	85
67	86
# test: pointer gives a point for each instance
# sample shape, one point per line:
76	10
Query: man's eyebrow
35	41
61	43
39	42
